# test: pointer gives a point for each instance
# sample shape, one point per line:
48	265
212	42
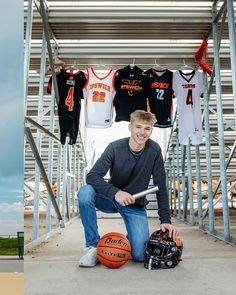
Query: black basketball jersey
70	88
130	85
160	93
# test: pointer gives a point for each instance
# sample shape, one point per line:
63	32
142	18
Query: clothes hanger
186	67
58	62
72	68
158	67
133	64
102	67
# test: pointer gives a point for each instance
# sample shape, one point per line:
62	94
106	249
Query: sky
11	117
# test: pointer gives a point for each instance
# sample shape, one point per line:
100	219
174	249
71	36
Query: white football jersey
188	87
99	94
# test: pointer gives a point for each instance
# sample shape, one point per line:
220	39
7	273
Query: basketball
113	250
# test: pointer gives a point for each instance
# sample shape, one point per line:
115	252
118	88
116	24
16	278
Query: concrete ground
208	267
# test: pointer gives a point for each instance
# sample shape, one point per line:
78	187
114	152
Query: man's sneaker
90	258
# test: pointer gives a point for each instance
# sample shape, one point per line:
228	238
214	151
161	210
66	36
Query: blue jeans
135	220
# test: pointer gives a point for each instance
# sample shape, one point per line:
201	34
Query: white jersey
99	94
188	87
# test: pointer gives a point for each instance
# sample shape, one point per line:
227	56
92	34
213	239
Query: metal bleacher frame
214	161
63	31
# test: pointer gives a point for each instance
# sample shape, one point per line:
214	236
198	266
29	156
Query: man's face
140	131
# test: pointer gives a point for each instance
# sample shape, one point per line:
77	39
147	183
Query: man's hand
173	231
124	198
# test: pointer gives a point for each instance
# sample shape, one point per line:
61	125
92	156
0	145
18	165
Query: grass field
8	246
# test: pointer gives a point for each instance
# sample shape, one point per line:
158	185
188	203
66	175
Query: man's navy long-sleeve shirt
131	173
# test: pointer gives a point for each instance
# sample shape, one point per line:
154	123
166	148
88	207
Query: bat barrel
146	192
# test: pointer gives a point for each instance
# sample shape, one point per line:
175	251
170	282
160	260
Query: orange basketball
113	250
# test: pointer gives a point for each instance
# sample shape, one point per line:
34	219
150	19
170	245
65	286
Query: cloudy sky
11	117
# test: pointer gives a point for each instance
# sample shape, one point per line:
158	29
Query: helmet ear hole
161	251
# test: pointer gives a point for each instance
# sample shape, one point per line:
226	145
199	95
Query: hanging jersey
188	87
99	95
130	84
160	92
70	87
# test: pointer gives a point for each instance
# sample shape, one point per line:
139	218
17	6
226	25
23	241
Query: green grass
8	246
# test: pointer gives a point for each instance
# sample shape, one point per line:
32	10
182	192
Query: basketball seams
113	250
119	261
113	247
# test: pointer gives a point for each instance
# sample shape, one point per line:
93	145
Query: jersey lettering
188	85
70	99
131	86
189	99
100	85
160	85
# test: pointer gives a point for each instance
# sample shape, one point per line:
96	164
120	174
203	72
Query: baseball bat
146	192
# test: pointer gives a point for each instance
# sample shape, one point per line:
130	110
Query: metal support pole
199	189
190	190
185	204
50	56
221	130
50	163
170	186
64	181
27	49
38	140
58	197
69	181
232	44
178	178
73	180
78	167
208	156
173	172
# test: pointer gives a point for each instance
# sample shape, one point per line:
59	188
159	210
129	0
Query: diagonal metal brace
219	182
42	170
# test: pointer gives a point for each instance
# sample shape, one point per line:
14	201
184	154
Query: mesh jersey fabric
70	87
131	92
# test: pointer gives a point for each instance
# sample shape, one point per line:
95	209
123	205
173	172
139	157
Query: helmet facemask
162	251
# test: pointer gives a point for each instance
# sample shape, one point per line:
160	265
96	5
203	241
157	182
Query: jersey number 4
70	99
189	99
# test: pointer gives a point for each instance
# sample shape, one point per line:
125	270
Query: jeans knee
86	194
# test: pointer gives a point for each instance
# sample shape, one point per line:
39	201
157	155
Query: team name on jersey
160	85
131	86
70	82
100	85
189	85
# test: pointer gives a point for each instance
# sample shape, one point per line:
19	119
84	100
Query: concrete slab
208	267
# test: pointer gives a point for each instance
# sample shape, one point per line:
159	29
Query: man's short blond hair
140	115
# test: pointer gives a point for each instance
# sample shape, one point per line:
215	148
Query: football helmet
161	251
